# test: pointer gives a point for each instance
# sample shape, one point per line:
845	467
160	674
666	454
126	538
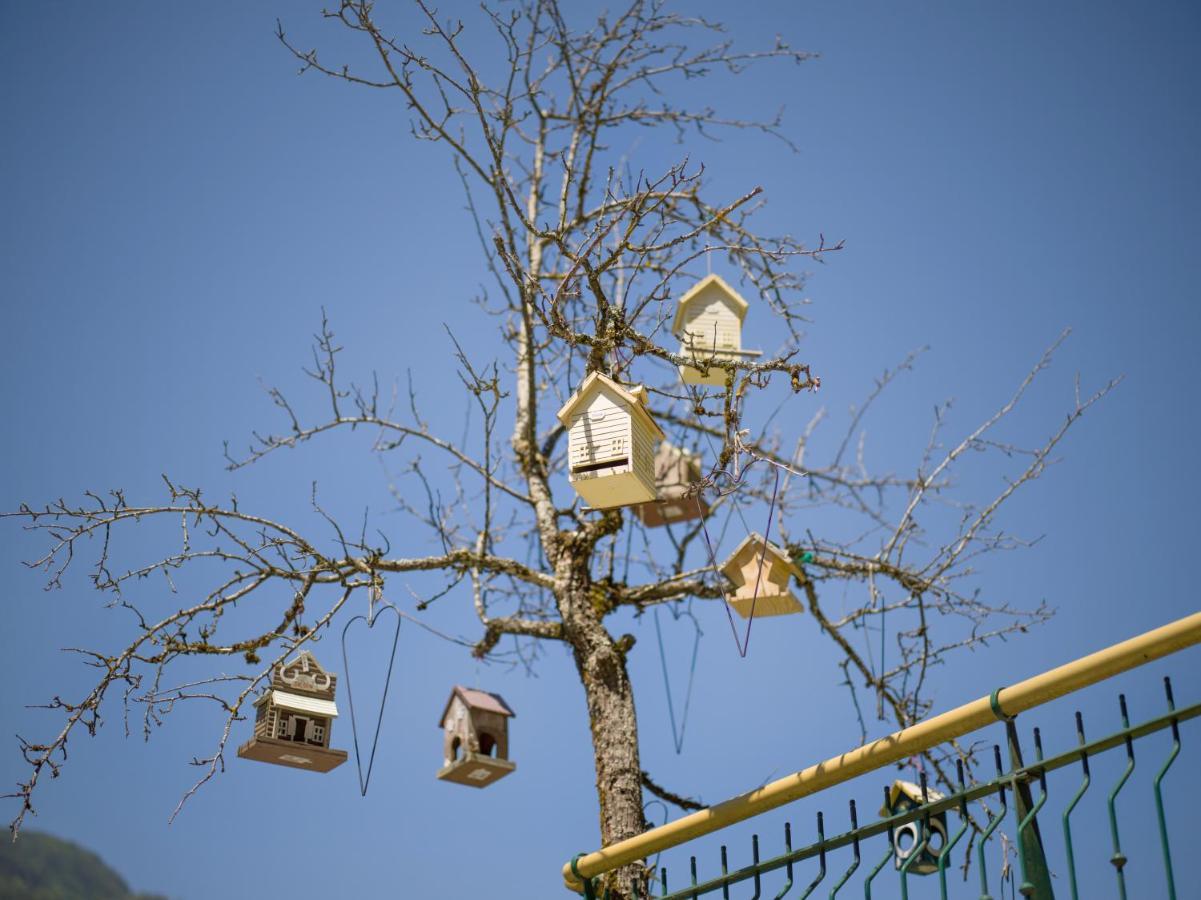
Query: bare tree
587	255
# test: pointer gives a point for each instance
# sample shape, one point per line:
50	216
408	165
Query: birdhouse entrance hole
597	466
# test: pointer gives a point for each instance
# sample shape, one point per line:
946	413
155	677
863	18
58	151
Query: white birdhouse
611	443
761	563
708	323
676	470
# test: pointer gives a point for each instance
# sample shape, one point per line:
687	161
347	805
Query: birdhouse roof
910	790
740	305
633	398
476	700
298	703
755	541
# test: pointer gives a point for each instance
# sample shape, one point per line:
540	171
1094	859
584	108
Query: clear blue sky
178	205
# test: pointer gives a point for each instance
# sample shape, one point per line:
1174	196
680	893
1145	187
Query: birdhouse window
318	734
487	744
456	748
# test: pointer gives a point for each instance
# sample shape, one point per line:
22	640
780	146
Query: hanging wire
677	736
742	643
370	619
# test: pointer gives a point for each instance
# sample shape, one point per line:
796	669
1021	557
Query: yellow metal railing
900	745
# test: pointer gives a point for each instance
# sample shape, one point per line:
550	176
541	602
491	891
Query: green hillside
41	867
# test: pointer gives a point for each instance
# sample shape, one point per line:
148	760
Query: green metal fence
949	844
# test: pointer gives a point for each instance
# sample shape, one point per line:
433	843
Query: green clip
994	701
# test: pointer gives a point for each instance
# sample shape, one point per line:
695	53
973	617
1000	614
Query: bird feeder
294	718
676	470
903	797
476	744
761	563
611	440
708	323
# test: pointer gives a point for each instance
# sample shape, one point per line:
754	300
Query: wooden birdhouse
476	743
708	323
761	562
611	443
294	718
676	470
904	796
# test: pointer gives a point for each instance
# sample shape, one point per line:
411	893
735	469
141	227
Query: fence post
1031	838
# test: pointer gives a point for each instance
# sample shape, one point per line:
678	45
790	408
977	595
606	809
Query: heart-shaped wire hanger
371	618
677	735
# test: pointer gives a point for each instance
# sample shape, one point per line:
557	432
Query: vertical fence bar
821	844
788	866
1067	813
855	862
945	856
663	877
993	823
888	854
1163	823
725	870
1119	859
755	860
692	866
920	847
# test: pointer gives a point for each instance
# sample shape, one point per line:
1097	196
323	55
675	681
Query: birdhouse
294	717
708	323
903	797
676	470
476	743
611	443
762	563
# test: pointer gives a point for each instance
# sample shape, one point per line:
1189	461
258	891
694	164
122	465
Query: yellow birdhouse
708	323
676	470
761	562
904	796
294	718
475	747
611	440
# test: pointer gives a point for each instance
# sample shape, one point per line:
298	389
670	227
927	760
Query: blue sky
179	206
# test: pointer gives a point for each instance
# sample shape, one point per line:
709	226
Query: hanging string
677	735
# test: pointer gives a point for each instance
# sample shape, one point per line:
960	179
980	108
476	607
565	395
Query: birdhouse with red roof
708	322
611	443
294	718
760	572
476	743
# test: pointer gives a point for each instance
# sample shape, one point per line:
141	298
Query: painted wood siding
599	434
711	323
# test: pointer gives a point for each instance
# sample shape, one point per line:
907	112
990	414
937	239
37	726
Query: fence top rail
1001	704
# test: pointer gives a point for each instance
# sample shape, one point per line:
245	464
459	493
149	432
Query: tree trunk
601	664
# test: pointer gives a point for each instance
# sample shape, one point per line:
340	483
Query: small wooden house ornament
476	743
708	323
294	718
676	470
762	562
904	796
611	443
